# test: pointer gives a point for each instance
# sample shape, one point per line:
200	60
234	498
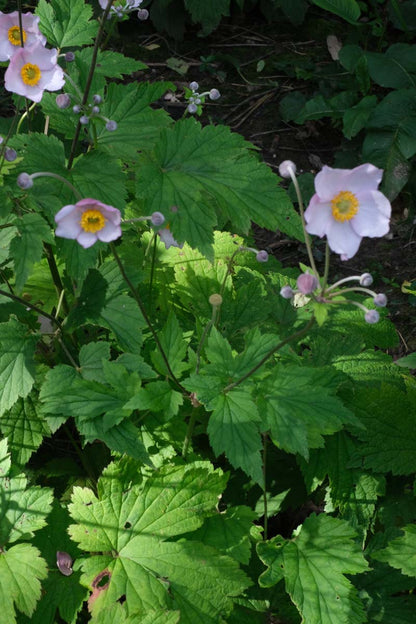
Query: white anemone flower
11	37
348	206
87	221
32	70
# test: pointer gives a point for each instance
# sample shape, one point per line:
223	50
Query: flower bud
157	218
63	101
24	181
197	101
194	86
214	94
286	167
215	300
143	14
111	125
307	283
10	154
366	279
69	57
372	316
262	256
192	108
286	292
84	120
380	300
97	99
76	109
95	110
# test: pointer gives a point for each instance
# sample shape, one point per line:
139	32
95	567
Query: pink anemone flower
10	36
348	206
32	70
87	221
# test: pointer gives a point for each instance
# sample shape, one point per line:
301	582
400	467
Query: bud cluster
88	112
120	9
196	99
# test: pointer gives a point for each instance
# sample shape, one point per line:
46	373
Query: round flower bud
197	101
143	14
84	120
286	292
69	57
76	109
194	86
307	283
111	125
286	167
97	99
372	316
10	154
380	300
192	108
215	300
262	256
25	181
366	279
157	218
63	101
214	94
95	110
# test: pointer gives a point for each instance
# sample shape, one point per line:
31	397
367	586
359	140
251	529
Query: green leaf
122	315
347	9
91	358
300	408
209	174
408	361
21	569
234	429
27	246
66	23
314	563
175	347
16	363
208	13
396	68
135	523
157	396
138	125
24	428
355	119
401	552
23	510
389	438
100	176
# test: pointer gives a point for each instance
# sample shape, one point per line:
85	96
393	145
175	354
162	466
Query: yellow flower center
92	221
31	74
14	36
344	206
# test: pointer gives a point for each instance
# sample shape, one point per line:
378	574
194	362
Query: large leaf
347	9
66	23
27	246
401	552
209	174
24	428
135	524
314	564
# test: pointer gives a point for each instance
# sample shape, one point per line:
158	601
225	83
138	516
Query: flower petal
317	216
343	239
109	232
373	216
364	178
86	239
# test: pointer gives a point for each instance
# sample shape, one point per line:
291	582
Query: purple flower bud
143	14
64	563
24	181
63	101
1	140
157	218
286	292
197	101
214	94
380	300
69	57
307	283
262	256
10	154
194	86
95	110
286	167
111	125
84	120
97	99
76	109
366	279
372	316
192	108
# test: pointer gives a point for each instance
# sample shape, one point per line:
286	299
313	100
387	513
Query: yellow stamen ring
344	206
14	36
31	74
92	221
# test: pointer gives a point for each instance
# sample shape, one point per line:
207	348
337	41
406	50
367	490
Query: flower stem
146	317
302	216
265	511
53	268
295	336
326	270
189	432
